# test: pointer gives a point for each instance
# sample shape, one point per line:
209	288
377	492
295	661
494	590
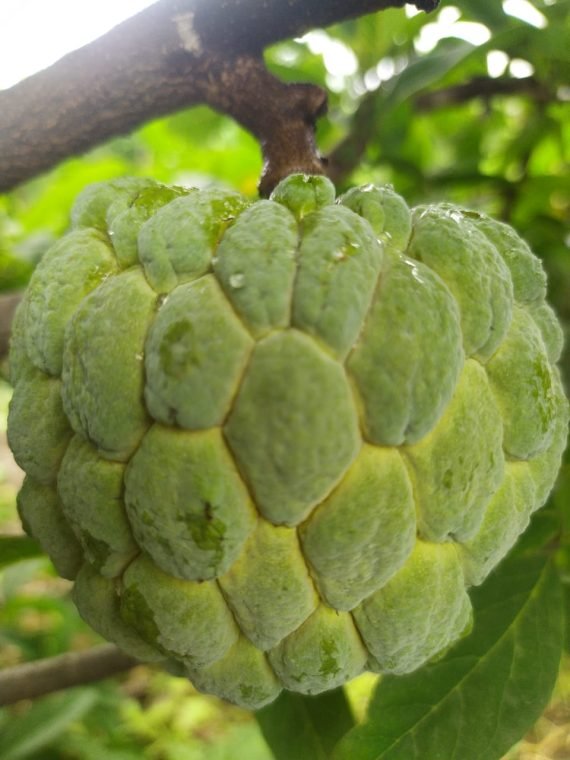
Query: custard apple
273	443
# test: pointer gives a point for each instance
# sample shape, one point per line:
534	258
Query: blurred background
470	104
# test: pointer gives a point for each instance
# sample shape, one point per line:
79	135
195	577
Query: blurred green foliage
439	120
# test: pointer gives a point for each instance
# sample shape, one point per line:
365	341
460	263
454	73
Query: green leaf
567	616
490	14
426	70
14	271
373	36
485	694
544	528
17	548
296	726
44	722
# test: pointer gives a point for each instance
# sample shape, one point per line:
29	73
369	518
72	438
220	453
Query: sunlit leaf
426	70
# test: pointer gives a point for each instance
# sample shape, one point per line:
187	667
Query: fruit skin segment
419	349
349	557
274	443
293	428
421	611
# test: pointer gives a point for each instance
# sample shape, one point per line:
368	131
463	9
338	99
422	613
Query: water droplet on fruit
457	216
237	280
414	270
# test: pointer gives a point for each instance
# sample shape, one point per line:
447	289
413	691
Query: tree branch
34	679
485	88
348	153
174	54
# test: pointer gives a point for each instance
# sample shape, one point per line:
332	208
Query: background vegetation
484	123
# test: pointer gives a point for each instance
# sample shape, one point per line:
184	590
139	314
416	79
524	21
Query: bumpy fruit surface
274	443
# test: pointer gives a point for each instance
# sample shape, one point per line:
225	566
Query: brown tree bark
175	54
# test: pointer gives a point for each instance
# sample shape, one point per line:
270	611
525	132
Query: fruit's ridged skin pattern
274	443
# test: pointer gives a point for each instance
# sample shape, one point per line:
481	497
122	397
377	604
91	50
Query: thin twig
34	679
486	88
348	153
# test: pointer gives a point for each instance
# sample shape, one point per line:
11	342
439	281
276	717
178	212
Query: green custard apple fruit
273	443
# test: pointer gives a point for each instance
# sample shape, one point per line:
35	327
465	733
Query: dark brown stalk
174	54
